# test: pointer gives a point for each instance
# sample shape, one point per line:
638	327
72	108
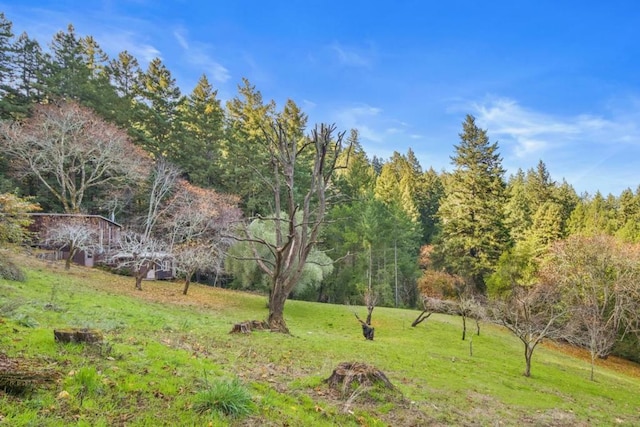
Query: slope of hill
163	349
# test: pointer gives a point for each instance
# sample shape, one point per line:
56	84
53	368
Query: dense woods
232	187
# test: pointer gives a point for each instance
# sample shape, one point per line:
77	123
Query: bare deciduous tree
600	279
199	222
70	150
430	305
164	177
73	235
531	313
297	221
138	254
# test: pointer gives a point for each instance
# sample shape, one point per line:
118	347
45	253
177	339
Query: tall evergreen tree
66	73
398	182
203	131
430	191
7	90
244	154
158	127
28	63
473	232
518	215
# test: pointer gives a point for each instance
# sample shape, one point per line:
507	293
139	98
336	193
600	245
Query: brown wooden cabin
108	233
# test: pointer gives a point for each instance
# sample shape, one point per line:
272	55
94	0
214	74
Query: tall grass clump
225	397
86	382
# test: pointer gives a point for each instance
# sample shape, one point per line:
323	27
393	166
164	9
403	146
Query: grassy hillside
163	351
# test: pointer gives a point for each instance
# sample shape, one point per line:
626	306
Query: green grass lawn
168	359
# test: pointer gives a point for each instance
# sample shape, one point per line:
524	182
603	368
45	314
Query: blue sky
557	81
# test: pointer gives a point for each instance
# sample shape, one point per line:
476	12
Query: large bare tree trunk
277	299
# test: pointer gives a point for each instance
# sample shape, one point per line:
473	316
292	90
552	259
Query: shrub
230	398
10	271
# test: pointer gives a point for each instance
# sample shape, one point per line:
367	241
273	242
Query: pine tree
248	117
398	182
203	132
28	63
158	127
7	90
430	192
518	207
473	232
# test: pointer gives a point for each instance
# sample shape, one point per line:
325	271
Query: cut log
78	335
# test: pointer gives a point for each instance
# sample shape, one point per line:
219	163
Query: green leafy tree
430	192
472	215
518	215
14	217
398	182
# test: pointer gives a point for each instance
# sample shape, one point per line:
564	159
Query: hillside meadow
163	352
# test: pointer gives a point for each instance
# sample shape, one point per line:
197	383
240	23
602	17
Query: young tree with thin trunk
138	254
531	313
73	236
199	223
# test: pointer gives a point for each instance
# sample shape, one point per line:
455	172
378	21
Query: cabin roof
65	215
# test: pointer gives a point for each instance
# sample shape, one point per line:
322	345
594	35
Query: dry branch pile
17	375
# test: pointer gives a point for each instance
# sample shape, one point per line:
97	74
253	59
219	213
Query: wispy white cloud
532	133
132	43
351	56
380	135
198	54
362	117
591	151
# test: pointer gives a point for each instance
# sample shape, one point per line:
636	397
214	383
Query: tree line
174	155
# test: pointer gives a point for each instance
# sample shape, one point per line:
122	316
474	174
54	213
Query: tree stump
78	335
367	329
248	326
347	373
